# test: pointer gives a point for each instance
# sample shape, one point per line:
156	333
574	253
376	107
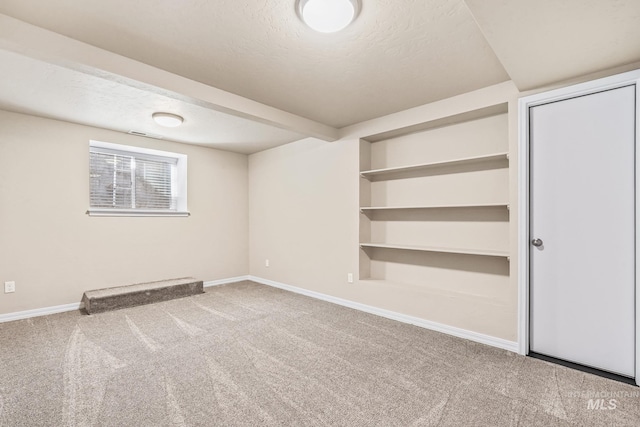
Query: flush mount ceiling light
328	16
167	119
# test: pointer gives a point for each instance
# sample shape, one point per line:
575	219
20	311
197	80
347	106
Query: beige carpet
249	355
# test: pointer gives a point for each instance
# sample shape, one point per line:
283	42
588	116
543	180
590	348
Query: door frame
524	104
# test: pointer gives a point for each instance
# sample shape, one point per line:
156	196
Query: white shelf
425	166
462	206
481	252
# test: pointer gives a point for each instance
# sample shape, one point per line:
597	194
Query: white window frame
180	182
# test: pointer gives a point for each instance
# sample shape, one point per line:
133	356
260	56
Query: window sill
135	212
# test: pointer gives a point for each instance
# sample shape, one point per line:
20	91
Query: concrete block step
100	300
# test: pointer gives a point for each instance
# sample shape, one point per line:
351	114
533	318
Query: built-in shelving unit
434	211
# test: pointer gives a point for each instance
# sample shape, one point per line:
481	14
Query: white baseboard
19	315
225	281
434	326
439	327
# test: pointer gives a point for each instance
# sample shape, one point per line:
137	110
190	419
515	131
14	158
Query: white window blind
130	180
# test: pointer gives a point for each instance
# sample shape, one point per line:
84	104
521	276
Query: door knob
536	242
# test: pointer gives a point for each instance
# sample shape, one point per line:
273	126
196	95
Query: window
130	181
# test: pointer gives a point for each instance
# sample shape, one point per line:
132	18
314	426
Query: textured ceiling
546	41
398	53
38	88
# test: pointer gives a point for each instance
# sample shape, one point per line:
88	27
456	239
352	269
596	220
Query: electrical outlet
266	263
350	277
9	287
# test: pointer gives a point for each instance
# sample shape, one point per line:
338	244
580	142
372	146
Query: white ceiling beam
38	43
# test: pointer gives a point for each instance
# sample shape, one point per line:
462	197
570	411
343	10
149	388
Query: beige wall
304	217
54	251
296	205
303	210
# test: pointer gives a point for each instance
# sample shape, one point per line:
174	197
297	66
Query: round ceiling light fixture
328	16
167	119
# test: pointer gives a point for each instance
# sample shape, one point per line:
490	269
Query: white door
582	217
